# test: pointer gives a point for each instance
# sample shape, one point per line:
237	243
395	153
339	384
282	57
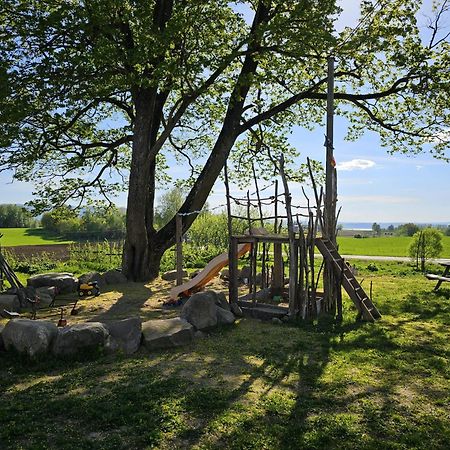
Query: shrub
425	244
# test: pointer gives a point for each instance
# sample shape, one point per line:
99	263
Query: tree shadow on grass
204	393
45	235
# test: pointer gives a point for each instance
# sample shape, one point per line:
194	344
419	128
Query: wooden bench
440	278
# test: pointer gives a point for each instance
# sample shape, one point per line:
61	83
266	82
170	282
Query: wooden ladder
342	270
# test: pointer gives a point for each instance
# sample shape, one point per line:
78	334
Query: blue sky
372	185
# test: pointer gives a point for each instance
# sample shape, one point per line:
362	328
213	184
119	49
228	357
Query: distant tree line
16	216
95	223
406	229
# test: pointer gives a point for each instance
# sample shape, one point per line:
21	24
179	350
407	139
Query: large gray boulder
10	303
166	333
124	335
171	275
93	276
65	283
32	337
114	276
202	310
81	337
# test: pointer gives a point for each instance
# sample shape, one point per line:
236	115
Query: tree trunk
144	246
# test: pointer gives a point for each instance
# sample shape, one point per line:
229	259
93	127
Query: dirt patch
58	252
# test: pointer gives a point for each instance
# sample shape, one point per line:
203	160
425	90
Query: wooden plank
432	276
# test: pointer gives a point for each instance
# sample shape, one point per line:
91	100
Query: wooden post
292	247
278	281
263	256
179	241
330	282
232	266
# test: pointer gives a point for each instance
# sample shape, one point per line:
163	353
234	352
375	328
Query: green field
13	237
382	246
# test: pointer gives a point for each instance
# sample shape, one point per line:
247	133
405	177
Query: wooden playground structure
314	226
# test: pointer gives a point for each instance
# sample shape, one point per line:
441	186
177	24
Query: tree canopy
99	95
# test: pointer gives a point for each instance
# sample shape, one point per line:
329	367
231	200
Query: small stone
114	276
171	275
225	274
236	309
200	335
277	321
225	317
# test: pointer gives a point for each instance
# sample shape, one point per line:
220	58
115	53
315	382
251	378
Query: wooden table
440	278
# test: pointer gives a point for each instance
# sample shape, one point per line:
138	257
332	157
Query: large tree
94	88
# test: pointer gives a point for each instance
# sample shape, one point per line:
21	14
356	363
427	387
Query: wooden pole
232	251
179	241
330	282
330	187
292	246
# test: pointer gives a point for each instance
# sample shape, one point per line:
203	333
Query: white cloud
355	164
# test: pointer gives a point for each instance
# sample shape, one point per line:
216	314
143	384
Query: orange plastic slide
207	274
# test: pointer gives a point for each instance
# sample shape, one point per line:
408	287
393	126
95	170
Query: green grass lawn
13	237
383	246
253	385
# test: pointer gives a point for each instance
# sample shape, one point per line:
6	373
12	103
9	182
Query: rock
171	275
66	283
225	317
277	321
32	337
10	303
46	295
263	295
225	274
2	344
124	335
166	333
200	335
114	276
236	309
245	273
201	310
221	300
93	276
80	337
